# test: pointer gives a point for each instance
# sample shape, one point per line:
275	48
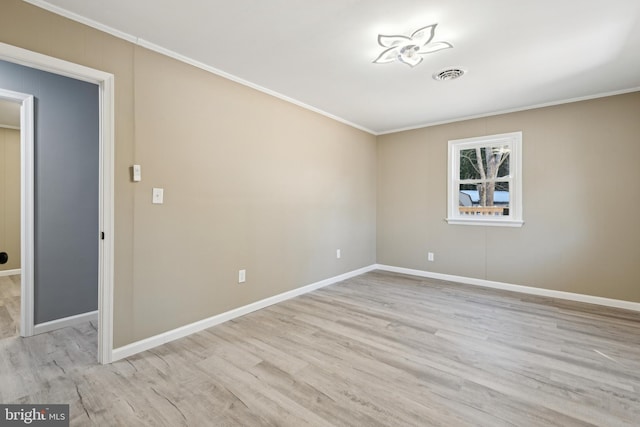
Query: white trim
65	322
512	110
484	221
570	296
26	206
14	272
106	221
182	58
105	81
42	62
27	135
183	331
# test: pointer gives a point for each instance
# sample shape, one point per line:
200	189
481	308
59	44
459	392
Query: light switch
158	196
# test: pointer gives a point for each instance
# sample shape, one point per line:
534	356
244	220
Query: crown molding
512	110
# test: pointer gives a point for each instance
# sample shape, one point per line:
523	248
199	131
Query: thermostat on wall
137	173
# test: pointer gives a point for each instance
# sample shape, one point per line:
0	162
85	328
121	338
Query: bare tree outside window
485	169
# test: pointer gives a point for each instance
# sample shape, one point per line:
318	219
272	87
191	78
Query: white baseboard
590	299
41	328
10	272
183	331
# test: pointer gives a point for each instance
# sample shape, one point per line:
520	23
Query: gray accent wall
66	189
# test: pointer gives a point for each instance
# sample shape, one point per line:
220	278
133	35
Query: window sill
485	222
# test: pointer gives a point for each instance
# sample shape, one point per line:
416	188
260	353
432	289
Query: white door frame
105	81
26	207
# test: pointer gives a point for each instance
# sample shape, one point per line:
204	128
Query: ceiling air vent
448	74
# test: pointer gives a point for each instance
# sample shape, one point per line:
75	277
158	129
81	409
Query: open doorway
25	222
10	245
59	203
32	62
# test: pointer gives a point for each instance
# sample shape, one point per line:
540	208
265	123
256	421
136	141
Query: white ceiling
319	52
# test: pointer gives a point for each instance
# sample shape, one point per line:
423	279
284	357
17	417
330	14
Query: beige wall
250	182
581	199
10	197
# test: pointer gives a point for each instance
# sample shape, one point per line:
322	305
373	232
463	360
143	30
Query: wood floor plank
9	306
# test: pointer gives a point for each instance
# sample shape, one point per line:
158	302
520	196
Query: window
485	180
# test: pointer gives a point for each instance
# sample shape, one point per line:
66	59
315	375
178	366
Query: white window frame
514	219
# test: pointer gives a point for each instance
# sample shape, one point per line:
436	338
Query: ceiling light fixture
409	50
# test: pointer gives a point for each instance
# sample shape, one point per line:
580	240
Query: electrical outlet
430	256
338	254
242	276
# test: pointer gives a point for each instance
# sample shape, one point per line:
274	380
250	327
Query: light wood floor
380	349
9	306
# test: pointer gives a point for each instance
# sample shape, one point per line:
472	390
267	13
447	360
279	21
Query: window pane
501	156
469	165
490	198
488	162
